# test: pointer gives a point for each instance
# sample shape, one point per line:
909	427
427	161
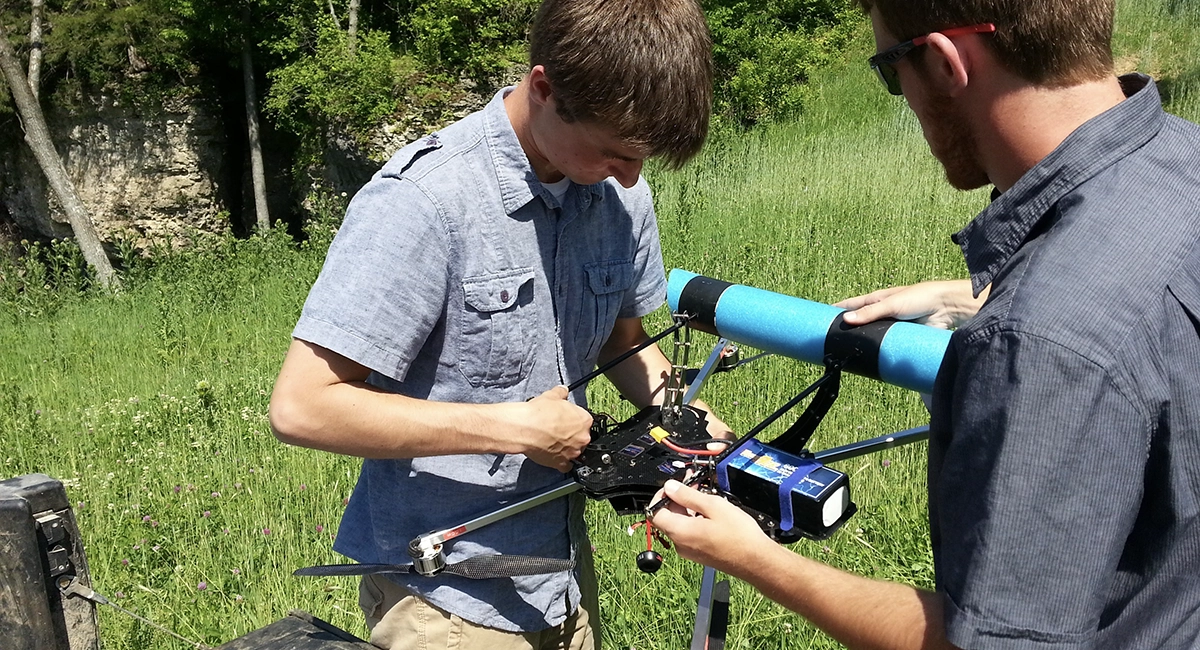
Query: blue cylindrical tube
899	353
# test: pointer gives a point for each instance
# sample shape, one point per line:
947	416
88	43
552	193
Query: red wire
691	452
649	540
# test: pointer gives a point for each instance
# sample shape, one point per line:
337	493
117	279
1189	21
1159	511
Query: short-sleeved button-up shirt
1064	475
458	277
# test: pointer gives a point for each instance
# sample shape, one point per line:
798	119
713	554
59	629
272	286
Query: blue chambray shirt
458	277
1064	455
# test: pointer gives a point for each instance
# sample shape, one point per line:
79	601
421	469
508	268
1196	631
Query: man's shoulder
440	153
636	201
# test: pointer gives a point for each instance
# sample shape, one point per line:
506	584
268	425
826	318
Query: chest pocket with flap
496	347
606	285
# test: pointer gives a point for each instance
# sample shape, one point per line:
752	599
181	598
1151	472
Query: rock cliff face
141	176
154	177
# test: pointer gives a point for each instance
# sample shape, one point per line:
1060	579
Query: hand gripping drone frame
787	488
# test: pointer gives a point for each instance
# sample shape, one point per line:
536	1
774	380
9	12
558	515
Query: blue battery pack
799	495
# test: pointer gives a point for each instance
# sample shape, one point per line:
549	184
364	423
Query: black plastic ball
649	561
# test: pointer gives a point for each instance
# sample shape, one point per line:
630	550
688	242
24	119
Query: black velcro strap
699	299
857	345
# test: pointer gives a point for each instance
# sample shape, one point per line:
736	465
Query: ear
947	66
539	85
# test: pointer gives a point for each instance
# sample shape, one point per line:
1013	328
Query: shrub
764	53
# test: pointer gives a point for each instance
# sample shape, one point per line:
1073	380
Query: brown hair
640	67
1046	42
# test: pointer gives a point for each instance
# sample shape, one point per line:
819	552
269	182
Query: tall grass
151	404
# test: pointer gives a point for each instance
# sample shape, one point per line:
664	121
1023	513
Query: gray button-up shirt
1064	475
458	277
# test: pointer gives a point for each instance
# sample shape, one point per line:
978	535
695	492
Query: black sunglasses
884	63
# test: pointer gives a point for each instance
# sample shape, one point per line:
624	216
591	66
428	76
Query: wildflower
238	485
119	594
153	523
266	531
886	462
237	598
146	518
320	528
216	495
225	530
206	514
303	487
155	548
237	572
202	586
125	561
176	489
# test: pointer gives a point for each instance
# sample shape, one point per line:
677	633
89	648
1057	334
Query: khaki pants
400	620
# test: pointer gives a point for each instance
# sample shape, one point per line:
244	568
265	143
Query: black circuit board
626	465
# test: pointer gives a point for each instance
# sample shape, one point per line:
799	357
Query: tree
352	27
262	216
35	46
38	138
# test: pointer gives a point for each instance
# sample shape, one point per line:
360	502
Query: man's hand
556	430
708	529
945	304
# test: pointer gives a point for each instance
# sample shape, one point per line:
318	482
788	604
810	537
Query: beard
954	145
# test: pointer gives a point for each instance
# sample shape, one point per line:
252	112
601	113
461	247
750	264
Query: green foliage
325	210
38	279
765	52
136	49
324	83
474	38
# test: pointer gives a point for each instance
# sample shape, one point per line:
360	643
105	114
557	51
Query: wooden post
39	544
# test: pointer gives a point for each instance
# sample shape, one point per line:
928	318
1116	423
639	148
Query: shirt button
504	296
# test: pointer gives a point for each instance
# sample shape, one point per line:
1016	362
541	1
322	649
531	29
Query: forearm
642	378
357	419
859	612
321	400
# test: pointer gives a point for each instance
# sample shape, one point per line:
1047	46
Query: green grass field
151	405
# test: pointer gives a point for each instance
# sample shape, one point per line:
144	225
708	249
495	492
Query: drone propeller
480	567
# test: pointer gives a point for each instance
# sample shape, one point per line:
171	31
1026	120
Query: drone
789	490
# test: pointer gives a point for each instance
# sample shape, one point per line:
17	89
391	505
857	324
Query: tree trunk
352	28
263	218
38	138
35	46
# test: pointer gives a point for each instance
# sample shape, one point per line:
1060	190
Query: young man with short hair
484	268
1064	486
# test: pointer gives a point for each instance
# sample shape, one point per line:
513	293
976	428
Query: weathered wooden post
40	554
